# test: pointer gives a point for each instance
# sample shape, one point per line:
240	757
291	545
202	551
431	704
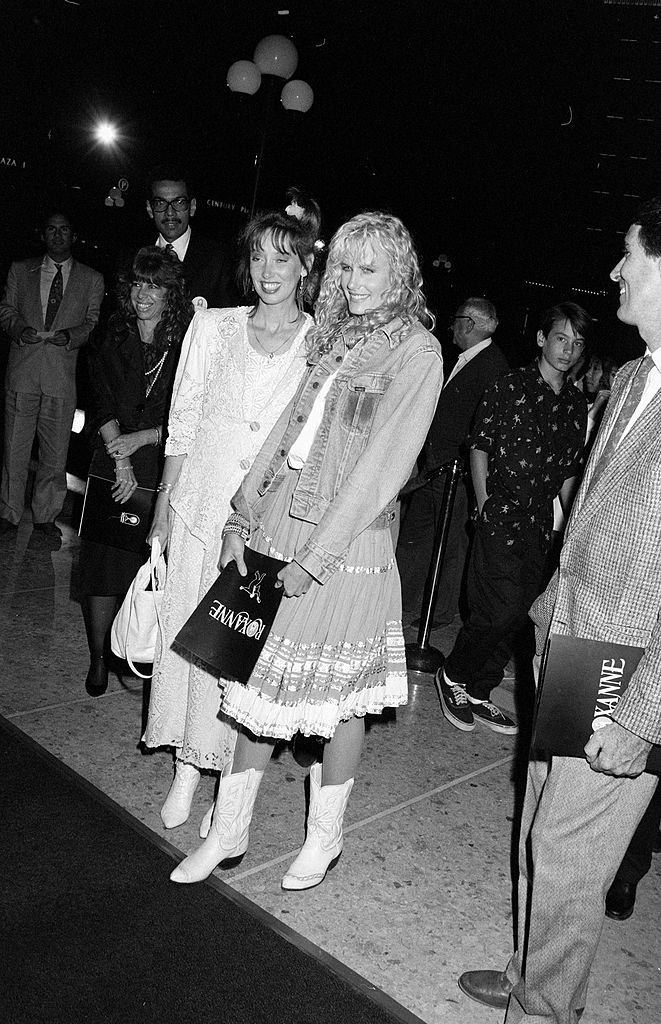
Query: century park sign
223	204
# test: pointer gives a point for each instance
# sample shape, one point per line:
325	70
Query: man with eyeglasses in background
525	448
479	363
208	269
49	308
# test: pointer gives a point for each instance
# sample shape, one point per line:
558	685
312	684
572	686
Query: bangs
360	245
280	239
151	270
145	279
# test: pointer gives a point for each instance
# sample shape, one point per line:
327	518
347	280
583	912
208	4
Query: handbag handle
156	584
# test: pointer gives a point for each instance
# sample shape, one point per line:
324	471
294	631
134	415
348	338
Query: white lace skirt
336	651
184	703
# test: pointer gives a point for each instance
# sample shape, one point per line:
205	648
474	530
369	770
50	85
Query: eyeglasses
160	205
461	316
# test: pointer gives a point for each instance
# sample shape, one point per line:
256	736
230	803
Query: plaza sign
12	161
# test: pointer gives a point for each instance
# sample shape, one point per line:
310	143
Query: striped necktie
171	249
54	298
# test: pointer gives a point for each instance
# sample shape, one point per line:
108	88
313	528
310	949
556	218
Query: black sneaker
494	718
454	702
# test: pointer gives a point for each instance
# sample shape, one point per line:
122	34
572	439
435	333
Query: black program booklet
230	625
105	521
581	682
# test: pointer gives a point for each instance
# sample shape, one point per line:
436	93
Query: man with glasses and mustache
208	269
525	449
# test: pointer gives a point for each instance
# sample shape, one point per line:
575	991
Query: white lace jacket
226	399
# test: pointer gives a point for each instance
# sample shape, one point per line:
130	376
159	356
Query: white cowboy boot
323	843
178	802
228	837
205	824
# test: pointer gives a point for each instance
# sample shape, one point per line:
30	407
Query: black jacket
455	411
117	378
209	272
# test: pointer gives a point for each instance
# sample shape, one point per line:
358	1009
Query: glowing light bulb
106	133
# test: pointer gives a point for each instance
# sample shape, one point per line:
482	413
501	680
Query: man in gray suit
580	815
48	310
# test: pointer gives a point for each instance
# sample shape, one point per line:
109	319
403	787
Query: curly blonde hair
404	296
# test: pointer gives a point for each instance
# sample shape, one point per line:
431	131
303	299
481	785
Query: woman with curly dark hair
131	371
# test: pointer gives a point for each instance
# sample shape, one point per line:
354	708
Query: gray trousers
579	823
50	419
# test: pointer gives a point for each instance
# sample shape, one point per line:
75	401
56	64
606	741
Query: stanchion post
421	656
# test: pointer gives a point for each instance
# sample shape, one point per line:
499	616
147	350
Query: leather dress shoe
7	528
620	900
491	988
96	682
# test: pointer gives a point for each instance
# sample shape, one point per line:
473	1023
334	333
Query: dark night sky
448	112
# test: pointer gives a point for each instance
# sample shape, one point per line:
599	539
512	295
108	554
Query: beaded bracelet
236	524
164	488
239	530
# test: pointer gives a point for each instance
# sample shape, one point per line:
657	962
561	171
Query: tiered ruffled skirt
336	651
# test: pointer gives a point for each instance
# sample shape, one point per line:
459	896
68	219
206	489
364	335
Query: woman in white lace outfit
321	495
238	369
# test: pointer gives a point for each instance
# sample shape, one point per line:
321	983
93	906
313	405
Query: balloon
276	55
244	76
297	95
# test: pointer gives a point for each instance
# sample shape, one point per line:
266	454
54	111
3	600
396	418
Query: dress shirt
180	245
465	357
48	272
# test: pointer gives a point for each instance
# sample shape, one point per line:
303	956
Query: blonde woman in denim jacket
321	494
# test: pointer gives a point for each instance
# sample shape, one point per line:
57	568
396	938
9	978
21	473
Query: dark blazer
43	368
453	419
209	272
118	382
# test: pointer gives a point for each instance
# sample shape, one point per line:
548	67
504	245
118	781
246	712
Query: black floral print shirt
534	439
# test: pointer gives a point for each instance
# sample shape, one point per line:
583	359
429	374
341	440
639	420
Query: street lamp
275	57
106	133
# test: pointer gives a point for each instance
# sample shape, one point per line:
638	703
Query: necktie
630	405
54	298
171	249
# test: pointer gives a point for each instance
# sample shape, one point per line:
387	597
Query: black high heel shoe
96	682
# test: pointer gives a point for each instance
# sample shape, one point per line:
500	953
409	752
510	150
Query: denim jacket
375	421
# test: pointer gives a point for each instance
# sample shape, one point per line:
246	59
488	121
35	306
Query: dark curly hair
162	268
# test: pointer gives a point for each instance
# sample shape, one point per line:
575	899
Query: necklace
155	370
271	353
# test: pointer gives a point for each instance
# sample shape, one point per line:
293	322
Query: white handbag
135	628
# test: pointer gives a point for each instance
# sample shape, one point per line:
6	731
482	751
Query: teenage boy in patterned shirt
525	449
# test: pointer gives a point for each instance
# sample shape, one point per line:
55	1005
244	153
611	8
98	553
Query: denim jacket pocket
360	399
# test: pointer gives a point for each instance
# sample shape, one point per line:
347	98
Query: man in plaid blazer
580	815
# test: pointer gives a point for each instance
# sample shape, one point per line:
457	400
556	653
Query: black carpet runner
93	931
